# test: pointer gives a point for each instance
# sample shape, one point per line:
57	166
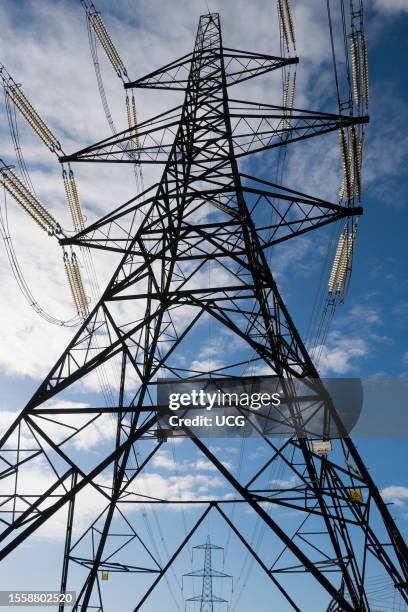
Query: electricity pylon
198	254
207	599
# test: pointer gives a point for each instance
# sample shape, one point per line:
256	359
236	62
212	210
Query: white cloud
282	483
36	476
165	461
206	466
293	259
398	495
390	7
260	451
206	365
177	488
34	479
355	337
339	353
363	314
95	432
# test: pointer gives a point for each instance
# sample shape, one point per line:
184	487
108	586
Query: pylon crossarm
244	65
261	127
254	126
155	136
301	503
214	573
204	599
114	567
240	66
171	76
295	215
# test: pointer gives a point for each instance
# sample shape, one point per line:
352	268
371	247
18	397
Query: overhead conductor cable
19	276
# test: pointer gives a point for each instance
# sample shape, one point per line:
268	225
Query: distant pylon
207	573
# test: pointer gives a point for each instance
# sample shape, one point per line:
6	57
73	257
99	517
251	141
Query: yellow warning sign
356	496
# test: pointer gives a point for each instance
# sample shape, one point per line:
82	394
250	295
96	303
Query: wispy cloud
163	460
339	354
390	7
398	495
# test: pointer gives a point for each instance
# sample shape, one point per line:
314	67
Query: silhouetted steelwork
200	250
207	598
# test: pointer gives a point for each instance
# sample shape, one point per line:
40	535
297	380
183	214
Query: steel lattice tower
165	285
207	599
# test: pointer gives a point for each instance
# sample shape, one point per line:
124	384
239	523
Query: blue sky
44	45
